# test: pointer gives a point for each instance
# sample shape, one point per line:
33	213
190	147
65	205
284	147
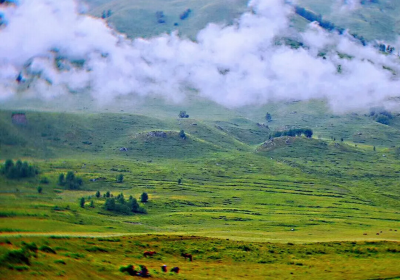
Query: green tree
98	194
91	204
268	117
133	205
39	189
110	204
120	178
8	165
182	134
82	202
61	179
108	194
308	133
144	197
182	115
70	177
121	198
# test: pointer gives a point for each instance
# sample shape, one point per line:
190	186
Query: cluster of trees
307	132
118	204
183	115
122	206
106	14
18	170
386	48
314	17
70	182
381	116
324	23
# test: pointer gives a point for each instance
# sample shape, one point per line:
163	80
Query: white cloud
232	65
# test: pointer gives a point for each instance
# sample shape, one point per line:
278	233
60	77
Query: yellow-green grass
101	258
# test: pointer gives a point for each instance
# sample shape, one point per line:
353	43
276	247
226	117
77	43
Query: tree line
307	132
18	169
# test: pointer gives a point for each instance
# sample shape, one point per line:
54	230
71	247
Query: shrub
96	249
120	178
39	189
98	194
44	180
17	256
47	249
268	117
82	202
128	269
182	134
60	261
30	246
183	115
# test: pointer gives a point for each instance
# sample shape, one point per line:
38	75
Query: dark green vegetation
229	178
18	170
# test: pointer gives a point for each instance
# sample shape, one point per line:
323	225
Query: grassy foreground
101	258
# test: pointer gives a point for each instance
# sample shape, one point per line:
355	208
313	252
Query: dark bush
17	256
144	197
95	249
129	269
47	249
30	246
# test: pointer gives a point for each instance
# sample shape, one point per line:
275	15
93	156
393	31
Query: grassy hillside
372	20
138	18
226	180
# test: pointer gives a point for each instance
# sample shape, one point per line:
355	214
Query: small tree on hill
98	194
268	117
108	194
144	197
183	115
110	204
133	205
91	204
120	178
82	202
39	189
308	132
182	134
61	179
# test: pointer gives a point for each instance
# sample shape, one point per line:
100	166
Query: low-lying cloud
49	48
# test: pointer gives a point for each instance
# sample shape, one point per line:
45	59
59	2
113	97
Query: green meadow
242	203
